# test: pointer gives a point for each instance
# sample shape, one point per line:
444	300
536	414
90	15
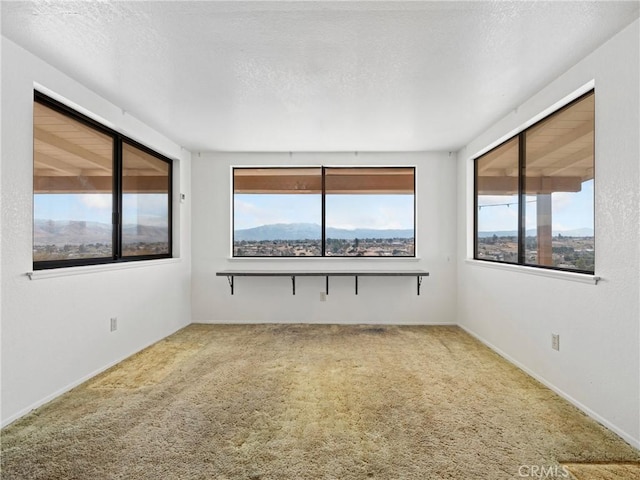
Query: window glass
497	204
535	193
370	212
277	212
145	203
559	189
98	197
73	187
363	211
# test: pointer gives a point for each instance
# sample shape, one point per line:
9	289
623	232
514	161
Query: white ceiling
315	76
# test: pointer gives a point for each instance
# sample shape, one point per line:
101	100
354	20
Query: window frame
116	192
521	194
323	194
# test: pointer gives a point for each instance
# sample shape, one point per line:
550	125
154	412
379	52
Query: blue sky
343	211
143	209
370	211
570	210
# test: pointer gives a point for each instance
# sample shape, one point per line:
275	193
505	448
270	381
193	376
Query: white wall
598	365
55	330
380	300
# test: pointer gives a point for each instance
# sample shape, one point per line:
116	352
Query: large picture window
324	211
535	194
99	197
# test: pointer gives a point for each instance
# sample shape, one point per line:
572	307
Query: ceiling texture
312	75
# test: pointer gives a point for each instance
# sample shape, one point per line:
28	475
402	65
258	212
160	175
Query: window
535	194
324	211
146	189
277	212
99	197
370	212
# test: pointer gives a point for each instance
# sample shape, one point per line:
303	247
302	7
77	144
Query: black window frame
521	229
116	192
323	194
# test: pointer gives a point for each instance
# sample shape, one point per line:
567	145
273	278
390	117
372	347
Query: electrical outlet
555	341
113	326
323	296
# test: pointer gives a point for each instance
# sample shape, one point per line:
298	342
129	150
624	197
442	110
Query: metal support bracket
356	277
419	278
230	280
293	283
327	282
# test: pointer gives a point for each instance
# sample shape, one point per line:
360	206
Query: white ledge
542	272
331	259
86	269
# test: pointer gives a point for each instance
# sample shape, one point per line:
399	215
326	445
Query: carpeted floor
308	402
604	471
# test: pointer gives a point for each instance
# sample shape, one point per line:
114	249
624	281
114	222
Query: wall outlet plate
555	341
113	325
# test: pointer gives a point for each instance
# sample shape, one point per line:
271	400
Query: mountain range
577	232
63	232
313	231
72	232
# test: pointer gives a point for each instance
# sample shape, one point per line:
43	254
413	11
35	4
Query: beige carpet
307	402
606	471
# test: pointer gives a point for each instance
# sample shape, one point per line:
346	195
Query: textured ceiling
315	76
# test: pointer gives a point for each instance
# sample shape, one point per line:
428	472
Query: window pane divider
522	197
323	223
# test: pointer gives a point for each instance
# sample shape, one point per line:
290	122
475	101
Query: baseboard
262	322
634	442
63	390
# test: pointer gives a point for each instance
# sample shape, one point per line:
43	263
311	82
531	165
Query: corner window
324	211
98	196
534	194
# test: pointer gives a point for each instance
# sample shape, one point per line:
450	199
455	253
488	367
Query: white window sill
315	259
542	272
85	269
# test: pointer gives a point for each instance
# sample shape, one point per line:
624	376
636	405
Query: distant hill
344	234
578	232
71	232
313	231
144	234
